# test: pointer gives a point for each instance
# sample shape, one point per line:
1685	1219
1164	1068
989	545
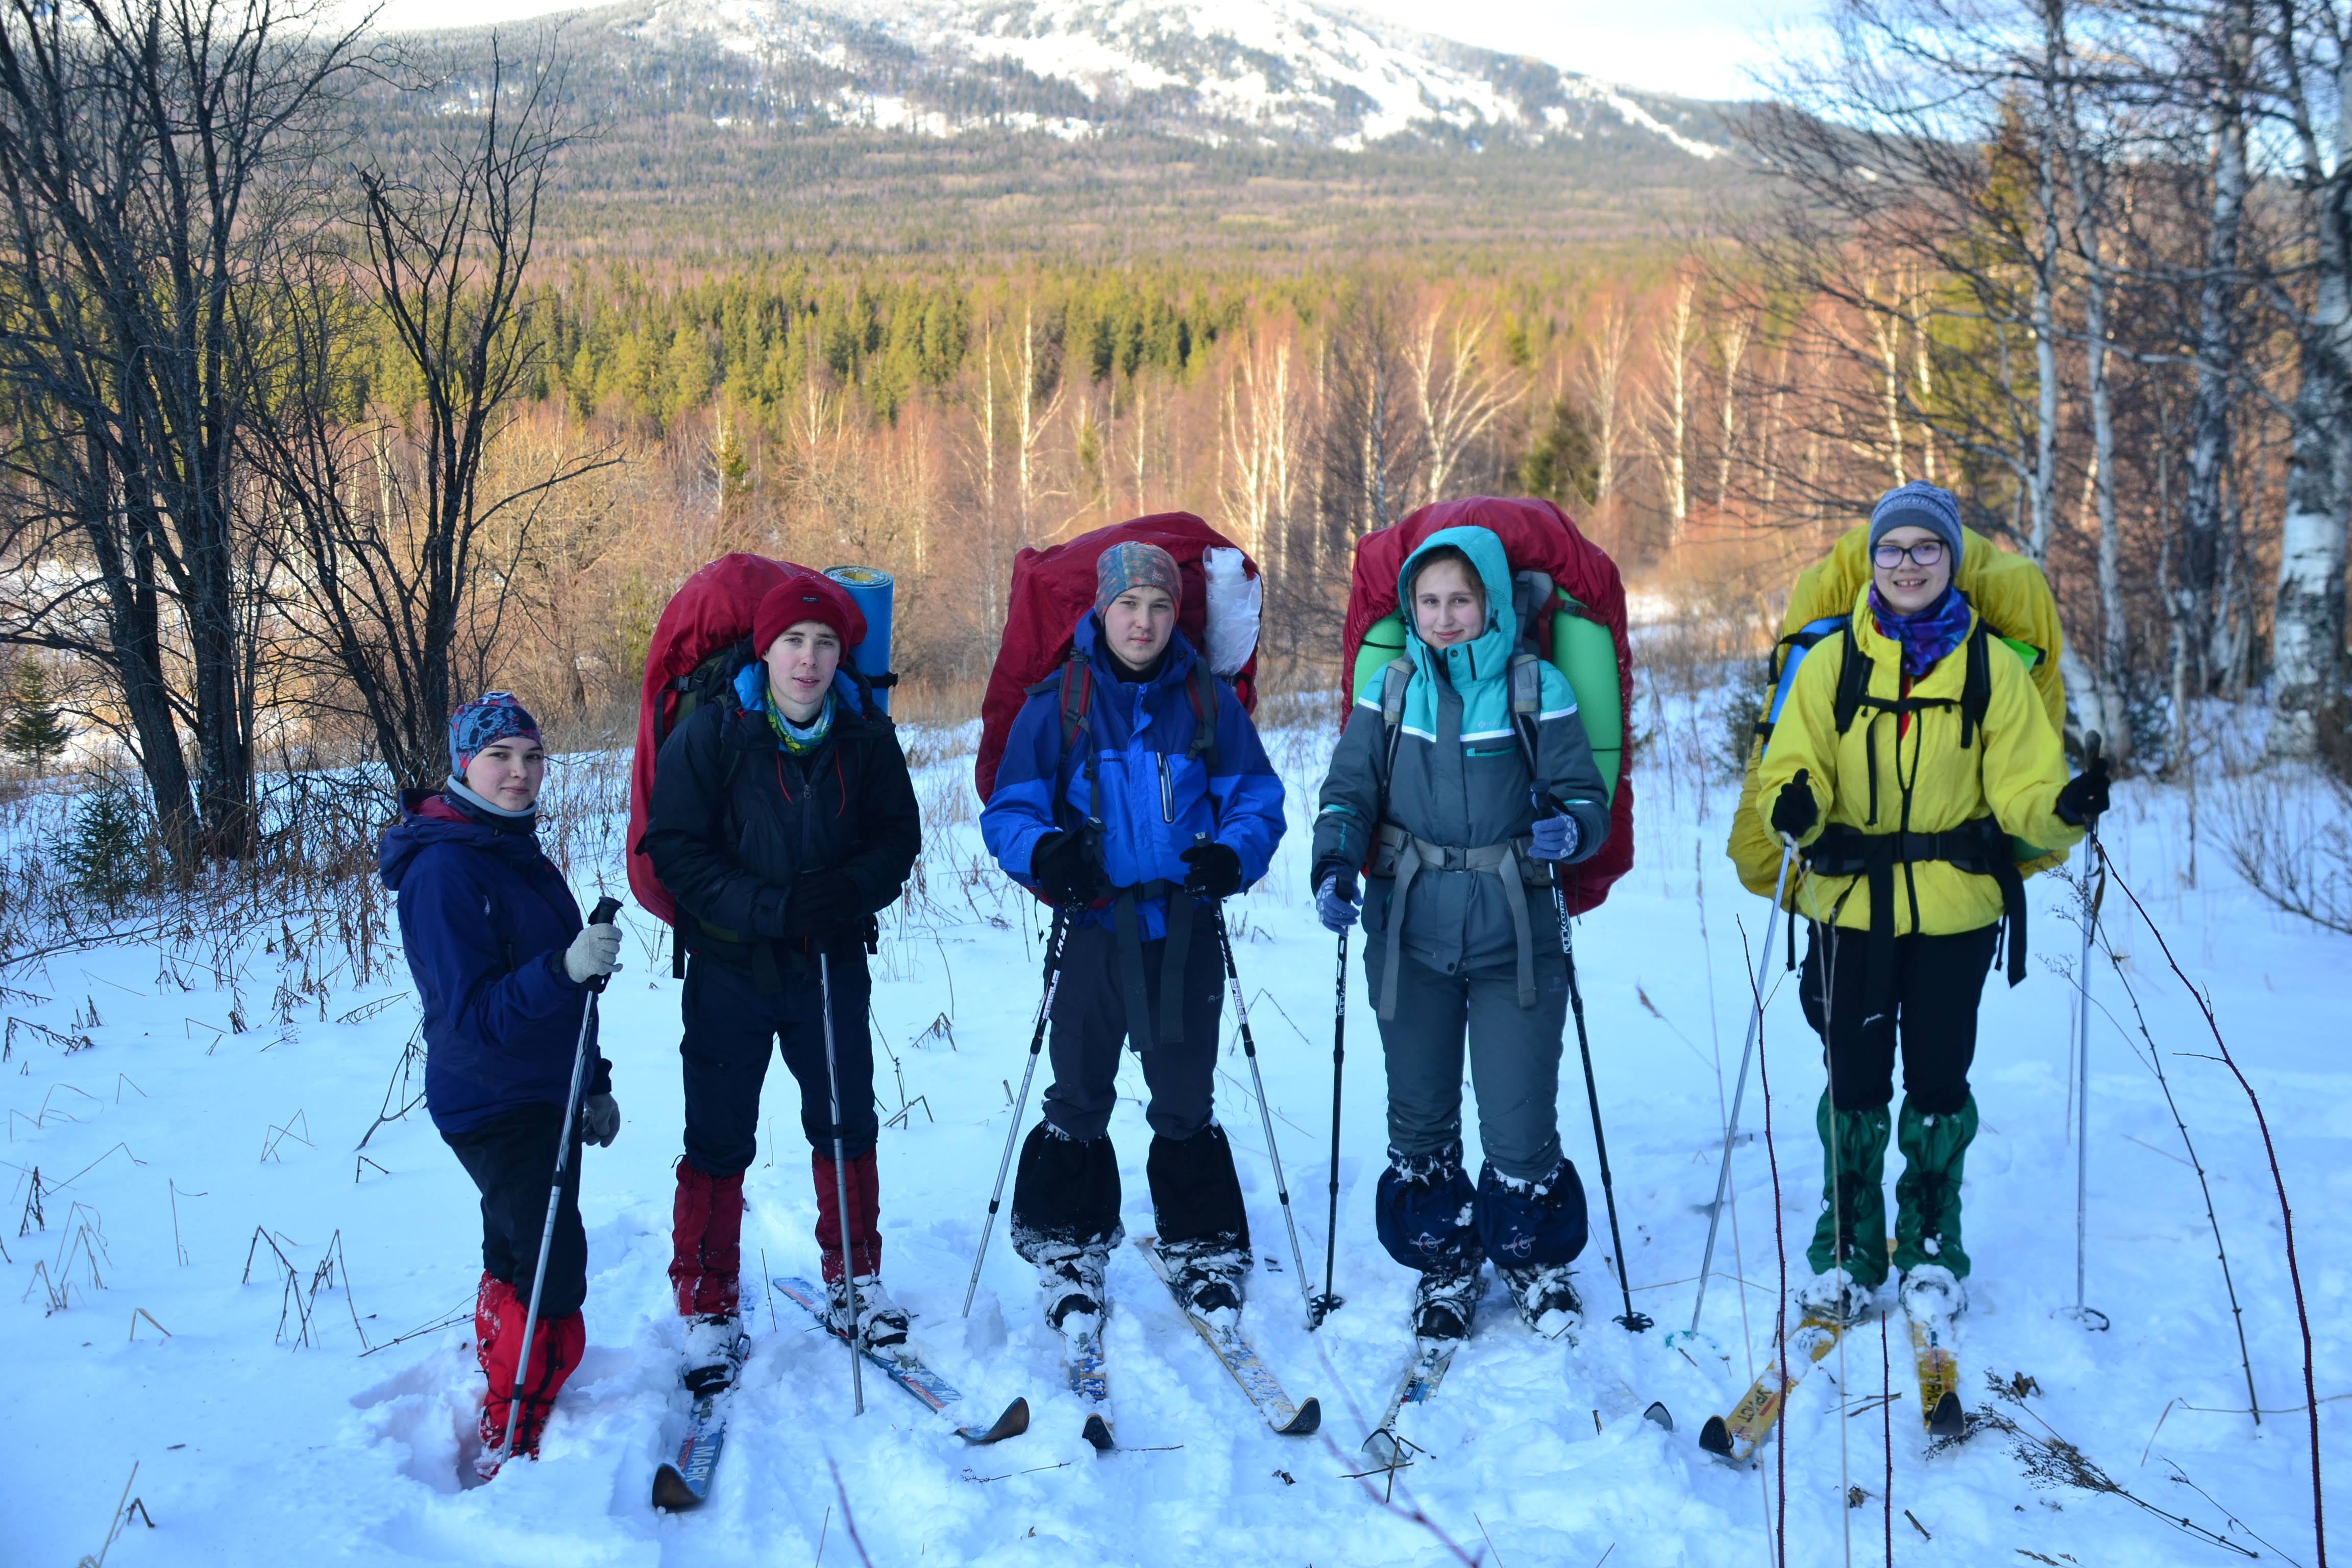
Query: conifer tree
35	729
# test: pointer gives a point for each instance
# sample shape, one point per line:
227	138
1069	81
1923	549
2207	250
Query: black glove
1216	871
1064	870
1794	810
821	904
2085	794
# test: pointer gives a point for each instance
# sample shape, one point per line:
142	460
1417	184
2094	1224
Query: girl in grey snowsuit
1432	790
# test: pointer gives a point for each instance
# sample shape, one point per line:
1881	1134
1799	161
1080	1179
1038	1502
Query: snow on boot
1426	1212
1444	1301
1071	1281
881	1321
1545	1298
1833	1295
1207	1276
715	1348
1932	1290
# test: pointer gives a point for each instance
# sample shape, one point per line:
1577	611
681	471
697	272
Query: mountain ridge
1270	72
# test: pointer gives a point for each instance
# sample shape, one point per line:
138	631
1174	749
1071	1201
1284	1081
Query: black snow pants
1068	1191
511	1158
731	1028
1931	1009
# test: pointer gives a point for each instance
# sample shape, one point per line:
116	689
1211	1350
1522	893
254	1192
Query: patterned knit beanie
1133	563
492	717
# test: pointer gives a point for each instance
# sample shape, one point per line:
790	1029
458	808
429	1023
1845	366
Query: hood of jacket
426	818
1478	669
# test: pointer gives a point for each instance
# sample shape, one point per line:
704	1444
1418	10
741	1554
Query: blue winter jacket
485	917
1156	797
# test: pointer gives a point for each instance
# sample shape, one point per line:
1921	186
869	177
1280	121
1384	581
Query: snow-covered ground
166	1143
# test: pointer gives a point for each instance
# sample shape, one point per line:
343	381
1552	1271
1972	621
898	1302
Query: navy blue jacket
485	917
1156	797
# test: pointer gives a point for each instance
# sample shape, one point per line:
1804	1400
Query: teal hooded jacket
1460	778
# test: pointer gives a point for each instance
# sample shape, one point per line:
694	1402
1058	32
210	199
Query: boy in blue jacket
503	964
1161	804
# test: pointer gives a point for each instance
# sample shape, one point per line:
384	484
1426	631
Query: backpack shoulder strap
1078	698
1395	675
1976	683
1853	678
1200	685
1527	703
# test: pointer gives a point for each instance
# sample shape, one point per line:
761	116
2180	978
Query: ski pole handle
606	909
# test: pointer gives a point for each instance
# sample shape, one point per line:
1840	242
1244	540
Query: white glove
600	1119
593	953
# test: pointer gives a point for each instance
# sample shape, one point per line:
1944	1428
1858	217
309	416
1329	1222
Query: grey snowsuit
1462	934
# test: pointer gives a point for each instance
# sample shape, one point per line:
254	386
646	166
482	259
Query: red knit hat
806	596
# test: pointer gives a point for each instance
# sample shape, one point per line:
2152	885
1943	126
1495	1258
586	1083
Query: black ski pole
1036	1044
606	907
841	1187
1323	1306
1265	1111
1632	1322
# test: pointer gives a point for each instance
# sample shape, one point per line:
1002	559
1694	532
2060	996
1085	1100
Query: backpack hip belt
1127	929
1977	846
1406	856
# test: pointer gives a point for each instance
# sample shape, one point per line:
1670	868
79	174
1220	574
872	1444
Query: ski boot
715	1348
1833	1296
1207	1276
1443	1302
1932	1291
1071	1281
881	1322
1545	1298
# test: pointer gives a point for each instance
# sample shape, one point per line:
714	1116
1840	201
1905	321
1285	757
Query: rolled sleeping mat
871	591
1383	641
1585	652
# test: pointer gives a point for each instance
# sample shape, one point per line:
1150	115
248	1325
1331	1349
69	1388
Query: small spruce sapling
35	729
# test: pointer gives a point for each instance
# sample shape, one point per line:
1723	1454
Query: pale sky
1701	48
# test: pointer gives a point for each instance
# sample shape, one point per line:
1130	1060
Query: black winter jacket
734	819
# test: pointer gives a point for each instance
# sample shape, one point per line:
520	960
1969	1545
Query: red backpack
703	638
1536	537
1052	592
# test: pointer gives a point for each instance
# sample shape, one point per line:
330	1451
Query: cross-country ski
903	1366
1220	1330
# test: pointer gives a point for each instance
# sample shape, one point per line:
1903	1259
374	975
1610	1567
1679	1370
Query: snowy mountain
1276	71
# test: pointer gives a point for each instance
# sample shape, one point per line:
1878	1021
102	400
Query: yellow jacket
1926	783
2008	591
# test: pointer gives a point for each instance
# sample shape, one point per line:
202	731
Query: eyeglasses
1926	552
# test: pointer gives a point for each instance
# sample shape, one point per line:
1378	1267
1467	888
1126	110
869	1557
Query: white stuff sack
1236	600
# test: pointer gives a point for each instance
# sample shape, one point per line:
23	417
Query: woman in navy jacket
501	965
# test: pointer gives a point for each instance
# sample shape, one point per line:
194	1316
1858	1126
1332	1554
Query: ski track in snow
246	1447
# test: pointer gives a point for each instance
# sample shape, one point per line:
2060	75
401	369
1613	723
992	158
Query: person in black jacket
501	965
781	820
